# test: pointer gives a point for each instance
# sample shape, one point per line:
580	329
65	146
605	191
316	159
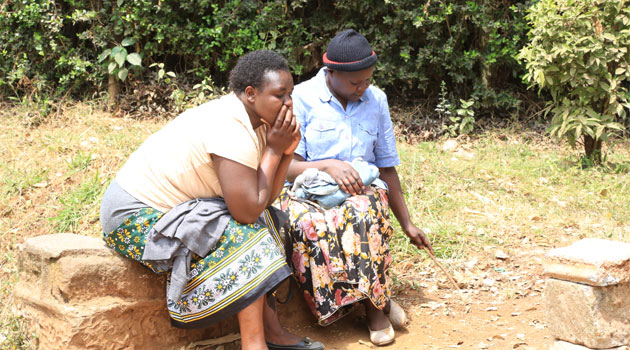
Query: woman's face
275	93
349	86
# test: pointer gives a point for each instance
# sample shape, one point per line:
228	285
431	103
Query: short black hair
251	68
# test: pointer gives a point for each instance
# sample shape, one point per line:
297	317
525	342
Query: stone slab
56	245
74	268
562	345
596	262
77	294
109	324
592	316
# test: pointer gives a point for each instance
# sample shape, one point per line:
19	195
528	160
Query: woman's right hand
346	176
282	135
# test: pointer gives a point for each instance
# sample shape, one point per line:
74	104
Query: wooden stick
215	341
446	272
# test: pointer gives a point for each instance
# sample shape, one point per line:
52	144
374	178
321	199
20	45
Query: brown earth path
505	309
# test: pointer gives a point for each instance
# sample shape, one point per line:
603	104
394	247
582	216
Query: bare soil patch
504	309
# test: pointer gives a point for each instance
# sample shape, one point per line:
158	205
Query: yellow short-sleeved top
174	164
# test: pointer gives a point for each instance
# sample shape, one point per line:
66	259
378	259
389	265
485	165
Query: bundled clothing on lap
246	262
164	210
317	186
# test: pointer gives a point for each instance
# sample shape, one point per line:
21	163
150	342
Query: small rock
488	282
501	255
450	145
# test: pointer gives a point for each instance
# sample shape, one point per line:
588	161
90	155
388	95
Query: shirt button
347	117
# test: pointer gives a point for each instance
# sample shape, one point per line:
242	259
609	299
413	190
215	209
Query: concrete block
596	262
78	294
562	345
593	316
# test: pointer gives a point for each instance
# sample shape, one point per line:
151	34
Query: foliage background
52	46
579	53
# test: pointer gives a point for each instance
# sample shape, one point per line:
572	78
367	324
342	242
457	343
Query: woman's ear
250	93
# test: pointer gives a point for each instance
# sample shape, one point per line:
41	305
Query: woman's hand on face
281	136
296	136
346	177
418	238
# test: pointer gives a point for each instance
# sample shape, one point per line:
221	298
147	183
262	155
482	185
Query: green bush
57	44
470	45
578	52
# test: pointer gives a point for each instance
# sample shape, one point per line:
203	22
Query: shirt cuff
387	162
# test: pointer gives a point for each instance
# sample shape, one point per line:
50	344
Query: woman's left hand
282	135
418	238
297	136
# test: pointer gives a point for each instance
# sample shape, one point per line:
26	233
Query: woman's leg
274	332
377	320
250	322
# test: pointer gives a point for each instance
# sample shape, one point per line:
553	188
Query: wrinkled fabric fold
318	186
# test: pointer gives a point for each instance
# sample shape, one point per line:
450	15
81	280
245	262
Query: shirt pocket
367	135
321	138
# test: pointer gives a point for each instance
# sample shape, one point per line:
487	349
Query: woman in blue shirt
341	255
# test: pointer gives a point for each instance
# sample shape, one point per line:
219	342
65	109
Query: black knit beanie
349	51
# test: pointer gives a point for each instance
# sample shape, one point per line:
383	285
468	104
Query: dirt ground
503	308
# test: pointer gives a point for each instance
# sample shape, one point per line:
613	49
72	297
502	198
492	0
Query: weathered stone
595	262
78	294
61	244
562	345
596	317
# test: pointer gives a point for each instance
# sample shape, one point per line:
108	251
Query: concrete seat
587	295
78	294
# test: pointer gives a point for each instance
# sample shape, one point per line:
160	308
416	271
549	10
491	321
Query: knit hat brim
354	66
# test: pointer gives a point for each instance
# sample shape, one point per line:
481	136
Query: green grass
16	181
79	204
496	190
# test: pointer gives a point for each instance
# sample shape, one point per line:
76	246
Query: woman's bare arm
399	207
247	192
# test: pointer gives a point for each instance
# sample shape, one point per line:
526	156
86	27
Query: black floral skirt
340	255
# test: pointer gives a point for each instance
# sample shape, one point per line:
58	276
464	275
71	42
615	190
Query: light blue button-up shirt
363	130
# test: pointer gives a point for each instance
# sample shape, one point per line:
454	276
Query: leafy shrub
470	45
201	38
579	53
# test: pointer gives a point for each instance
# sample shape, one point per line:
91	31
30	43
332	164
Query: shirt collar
324	93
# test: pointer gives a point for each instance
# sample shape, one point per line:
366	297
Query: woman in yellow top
193	202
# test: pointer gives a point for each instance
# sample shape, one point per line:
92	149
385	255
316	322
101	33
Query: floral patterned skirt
247	262
340	255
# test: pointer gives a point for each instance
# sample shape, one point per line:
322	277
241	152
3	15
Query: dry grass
504	189
43	167
52	175
497	189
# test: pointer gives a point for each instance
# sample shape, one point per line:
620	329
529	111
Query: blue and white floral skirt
247	262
